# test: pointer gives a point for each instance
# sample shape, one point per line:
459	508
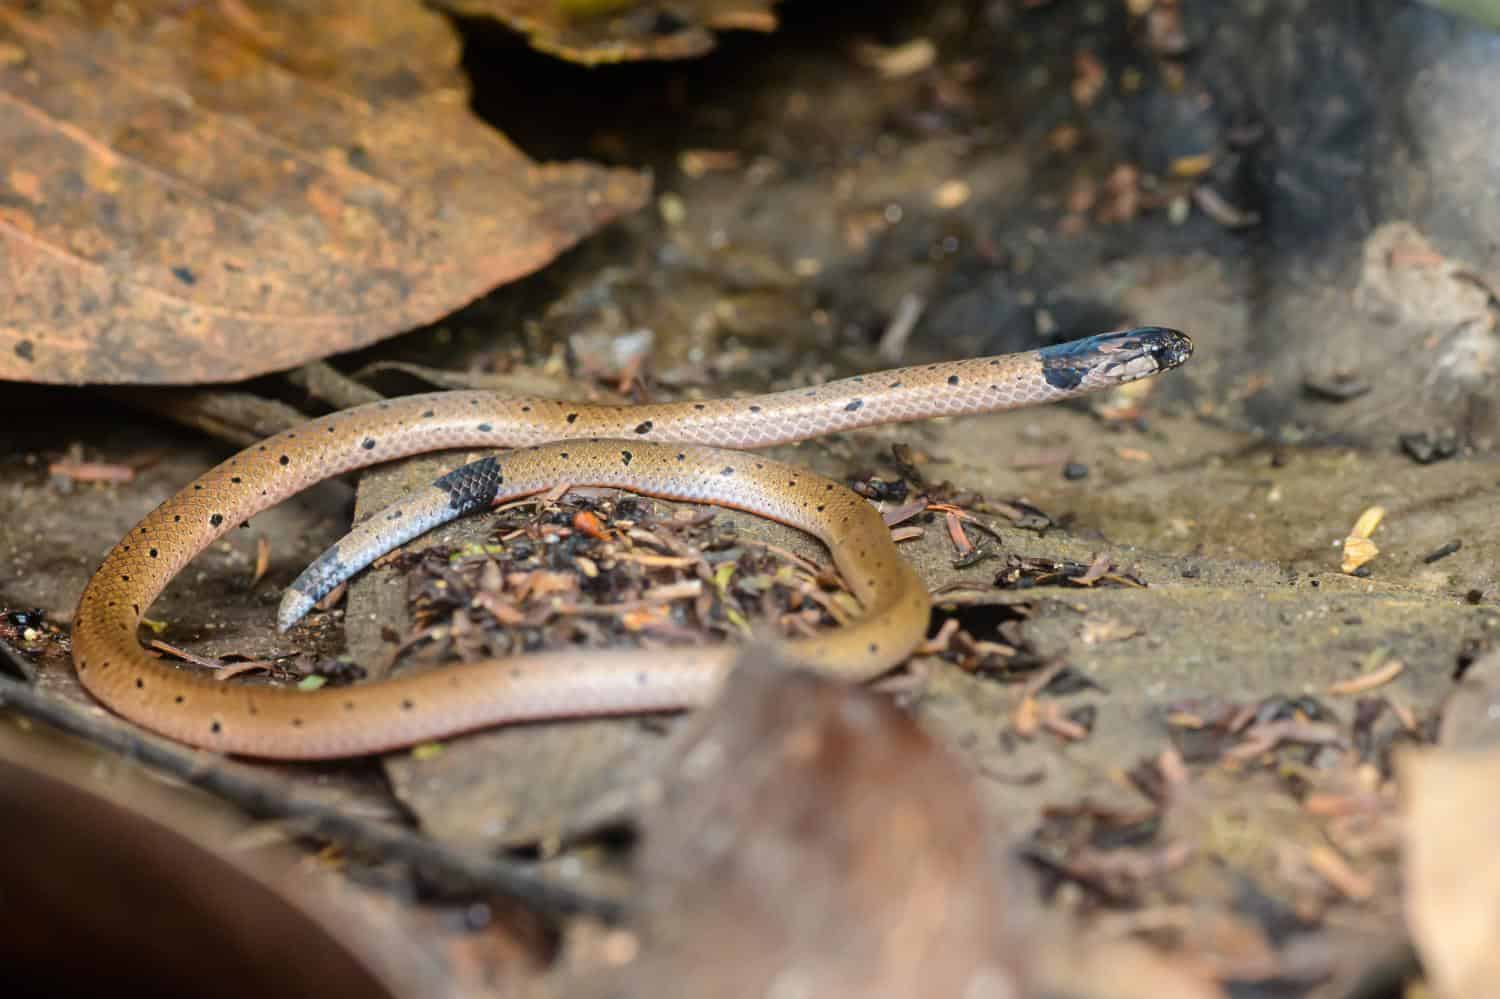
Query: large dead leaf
598	31
205	192
152	887
811	833
1452	874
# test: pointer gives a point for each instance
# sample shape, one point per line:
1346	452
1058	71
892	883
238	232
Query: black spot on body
285	460
485	428
235	479
185	275
26	350
625	457
215	728
407	705
152	553
426	415
571	417
368	443
216	519
952	379
856	404
644	427
727	470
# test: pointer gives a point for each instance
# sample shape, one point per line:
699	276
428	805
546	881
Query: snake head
1142	352
1097	362
1169	348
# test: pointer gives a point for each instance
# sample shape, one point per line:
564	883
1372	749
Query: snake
694	451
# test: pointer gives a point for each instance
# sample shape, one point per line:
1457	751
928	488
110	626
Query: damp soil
803	201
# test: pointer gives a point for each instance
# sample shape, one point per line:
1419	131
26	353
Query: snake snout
1169	348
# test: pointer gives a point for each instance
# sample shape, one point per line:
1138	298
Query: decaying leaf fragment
209	191
1358	548
603	31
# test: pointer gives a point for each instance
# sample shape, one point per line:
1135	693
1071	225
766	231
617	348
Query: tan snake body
651	449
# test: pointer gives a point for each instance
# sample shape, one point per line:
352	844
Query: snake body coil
653	449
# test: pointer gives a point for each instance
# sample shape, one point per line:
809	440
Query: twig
893	341
240	418
328	384
263	799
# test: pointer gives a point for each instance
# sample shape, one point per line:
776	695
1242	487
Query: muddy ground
984	191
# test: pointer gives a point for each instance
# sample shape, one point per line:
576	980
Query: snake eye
1169	348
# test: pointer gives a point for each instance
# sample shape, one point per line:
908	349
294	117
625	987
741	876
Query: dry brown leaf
1100	629
101	852
205	192
1126	969
1452	870
812	833
1358	548
602	31
1471	711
